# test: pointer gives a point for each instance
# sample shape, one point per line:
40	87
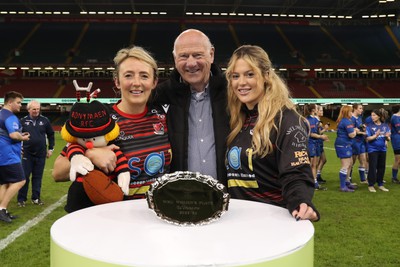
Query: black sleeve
293	161
50	134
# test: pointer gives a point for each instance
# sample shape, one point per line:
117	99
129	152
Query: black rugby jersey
283	177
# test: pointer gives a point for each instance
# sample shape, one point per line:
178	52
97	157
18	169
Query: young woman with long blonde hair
267	158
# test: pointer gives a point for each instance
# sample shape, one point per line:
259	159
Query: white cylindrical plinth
128	233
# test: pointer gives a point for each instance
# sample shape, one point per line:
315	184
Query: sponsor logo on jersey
234	157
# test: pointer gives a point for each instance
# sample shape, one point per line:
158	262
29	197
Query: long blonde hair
276	98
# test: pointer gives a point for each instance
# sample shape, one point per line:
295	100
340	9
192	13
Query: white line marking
29	224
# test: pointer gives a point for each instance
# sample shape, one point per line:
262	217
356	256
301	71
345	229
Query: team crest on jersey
251	131
299	136
158	128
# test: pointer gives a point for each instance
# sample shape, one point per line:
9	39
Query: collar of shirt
191	89
33	118
199	95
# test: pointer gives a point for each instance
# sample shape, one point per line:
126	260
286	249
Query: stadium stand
96	42
268	38
315	46
59	88
48	43
299	90
342	89
32	87
289	46
157	38
100	41
385	88
16	33
370	46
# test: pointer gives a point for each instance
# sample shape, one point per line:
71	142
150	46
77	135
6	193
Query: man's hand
26	136
49	153
103	158
80	164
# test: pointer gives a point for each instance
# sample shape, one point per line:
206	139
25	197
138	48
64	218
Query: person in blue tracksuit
35	151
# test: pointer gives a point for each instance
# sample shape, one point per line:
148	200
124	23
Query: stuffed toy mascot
90	125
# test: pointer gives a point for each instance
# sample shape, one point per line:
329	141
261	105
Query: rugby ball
101	189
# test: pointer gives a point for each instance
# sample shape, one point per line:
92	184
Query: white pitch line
29	224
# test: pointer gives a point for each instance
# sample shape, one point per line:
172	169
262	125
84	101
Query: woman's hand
305	212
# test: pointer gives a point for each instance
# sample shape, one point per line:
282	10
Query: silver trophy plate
188	198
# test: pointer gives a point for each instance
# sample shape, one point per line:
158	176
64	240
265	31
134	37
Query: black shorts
10	174
77	198
396	152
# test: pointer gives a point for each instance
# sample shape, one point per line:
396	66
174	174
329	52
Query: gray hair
28	106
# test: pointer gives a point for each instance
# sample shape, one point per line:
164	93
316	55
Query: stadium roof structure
180	8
